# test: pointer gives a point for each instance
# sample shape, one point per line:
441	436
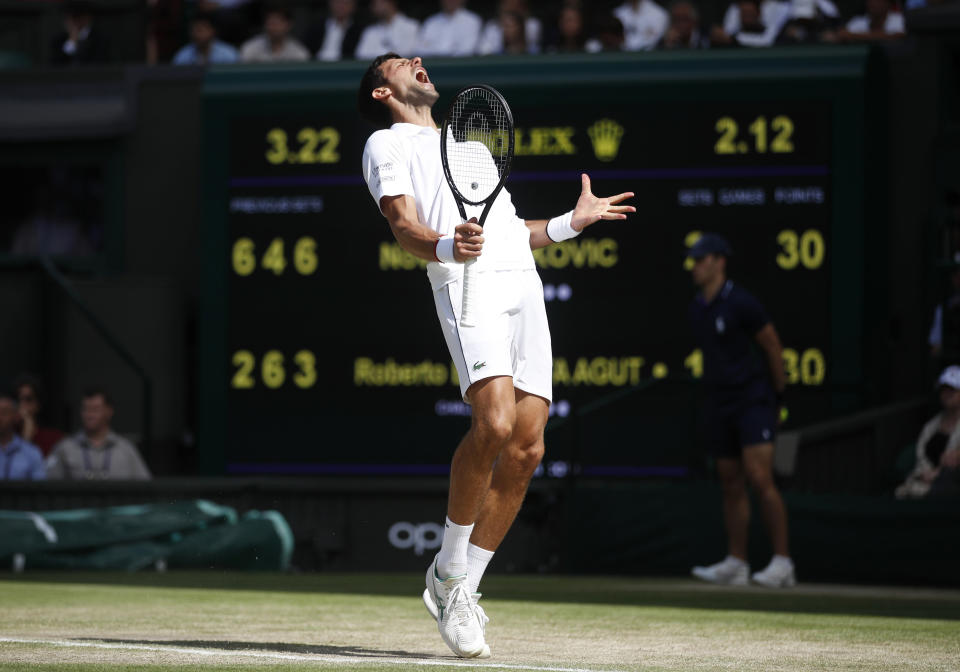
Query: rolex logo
605	136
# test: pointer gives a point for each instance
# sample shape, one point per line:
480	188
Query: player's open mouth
421	76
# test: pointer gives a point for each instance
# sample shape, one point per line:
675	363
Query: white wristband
443	250
560	228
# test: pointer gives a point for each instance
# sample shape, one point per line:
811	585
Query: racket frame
467	311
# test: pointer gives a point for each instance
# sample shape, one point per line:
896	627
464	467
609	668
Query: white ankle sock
477	561
732	559
452	560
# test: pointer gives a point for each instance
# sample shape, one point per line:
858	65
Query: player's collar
407	128
722	294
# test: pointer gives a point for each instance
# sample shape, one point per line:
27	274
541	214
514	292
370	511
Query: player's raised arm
589	210
425	243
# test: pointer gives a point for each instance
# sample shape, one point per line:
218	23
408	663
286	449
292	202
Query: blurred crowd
30	450
227	31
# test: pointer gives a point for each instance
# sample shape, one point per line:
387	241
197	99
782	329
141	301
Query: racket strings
478	153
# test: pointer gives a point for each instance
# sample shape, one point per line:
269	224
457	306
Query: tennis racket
476	148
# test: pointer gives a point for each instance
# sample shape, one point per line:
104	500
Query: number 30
807	249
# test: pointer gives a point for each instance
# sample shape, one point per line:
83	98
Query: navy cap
710	243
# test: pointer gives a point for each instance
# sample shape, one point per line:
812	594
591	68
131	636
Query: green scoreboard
320	348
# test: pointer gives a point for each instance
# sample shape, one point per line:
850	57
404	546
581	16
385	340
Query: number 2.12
775	137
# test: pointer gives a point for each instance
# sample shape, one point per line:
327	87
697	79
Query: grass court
86	622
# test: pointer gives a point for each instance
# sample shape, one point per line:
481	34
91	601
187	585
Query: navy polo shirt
725	329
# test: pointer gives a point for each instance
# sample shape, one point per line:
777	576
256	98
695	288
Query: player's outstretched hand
467	240
592	209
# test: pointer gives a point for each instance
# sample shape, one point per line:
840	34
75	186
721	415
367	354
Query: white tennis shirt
405	160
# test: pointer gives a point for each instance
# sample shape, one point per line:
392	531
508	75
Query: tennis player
505	363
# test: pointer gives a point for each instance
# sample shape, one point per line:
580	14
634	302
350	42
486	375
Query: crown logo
605	136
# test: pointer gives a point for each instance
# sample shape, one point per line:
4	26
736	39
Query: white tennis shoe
460	619
730	571
474	597
778	574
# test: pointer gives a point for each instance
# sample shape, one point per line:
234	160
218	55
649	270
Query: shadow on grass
273	647
666	593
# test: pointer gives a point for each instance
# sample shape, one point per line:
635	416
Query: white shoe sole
430	604
703	575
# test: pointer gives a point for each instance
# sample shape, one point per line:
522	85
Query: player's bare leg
732	570
758	465
502	482
494	416
736	505
512	473
449	595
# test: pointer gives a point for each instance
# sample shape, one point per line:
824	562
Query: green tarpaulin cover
190	534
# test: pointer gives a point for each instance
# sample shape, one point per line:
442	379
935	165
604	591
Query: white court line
312	658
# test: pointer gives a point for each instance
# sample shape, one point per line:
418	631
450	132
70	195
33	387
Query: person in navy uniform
745	379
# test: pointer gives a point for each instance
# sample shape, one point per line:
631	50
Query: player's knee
732	484
761	480
493	428
528	457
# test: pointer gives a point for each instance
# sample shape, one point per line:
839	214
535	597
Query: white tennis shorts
511	337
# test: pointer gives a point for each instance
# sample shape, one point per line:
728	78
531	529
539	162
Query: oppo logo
419	537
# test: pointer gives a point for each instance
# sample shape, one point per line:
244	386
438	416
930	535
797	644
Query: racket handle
468	307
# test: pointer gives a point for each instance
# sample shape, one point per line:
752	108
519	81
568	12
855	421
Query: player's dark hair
91	392
372	110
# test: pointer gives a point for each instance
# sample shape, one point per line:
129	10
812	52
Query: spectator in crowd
751	30
608	34
752	24
81	42
336	37
453	31
743	392
570	34
20	460
393	31
810	22
881	22
96	452
204	46
492	38
275	43
29	398
684	29
514	35
644	23
938	446
232	17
